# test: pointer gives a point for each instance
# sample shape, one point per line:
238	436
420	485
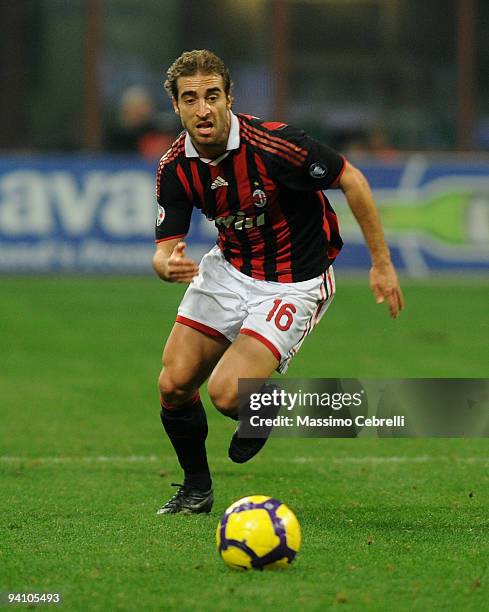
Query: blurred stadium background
399	86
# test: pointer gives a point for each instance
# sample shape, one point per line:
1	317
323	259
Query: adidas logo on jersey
219	182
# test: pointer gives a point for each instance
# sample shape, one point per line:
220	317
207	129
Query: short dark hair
192	62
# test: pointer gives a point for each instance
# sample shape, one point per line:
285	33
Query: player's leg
279	318
247	357
208	314
188	358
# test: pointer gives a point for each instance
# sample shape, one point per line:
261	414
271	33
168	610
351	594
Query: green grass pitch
387	524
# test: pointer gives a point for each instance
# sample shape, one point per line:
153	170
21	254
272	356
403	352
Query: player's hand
181	269
385	287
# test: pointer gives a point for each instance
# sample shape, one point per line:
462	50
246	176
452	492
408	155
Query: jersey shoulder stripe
175	150
263	129
270	148
177	147
260	137
279	141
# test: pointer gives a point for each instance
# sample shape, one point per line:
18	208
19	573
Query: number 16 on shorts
282	314
289	319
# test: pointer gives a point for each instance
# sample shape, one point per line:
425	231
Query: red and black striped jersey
266	198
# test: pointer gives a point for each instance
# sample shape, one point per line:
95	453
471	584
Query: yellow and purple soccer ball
258	532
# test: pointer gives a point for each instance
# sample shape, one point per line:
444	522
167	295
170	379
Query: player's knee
173	391
223	397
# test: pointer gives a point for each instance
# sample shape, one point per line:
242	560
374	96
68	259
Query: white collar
233	143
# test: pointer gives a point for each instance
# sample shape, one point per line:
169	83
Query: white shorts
221	301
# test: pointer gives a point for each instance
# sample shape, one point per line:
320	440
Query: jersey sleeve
301	162
174	205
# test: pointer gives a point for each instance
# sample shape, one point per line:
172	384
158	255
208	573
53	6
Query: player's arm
383	277
171	264
172	225
314	166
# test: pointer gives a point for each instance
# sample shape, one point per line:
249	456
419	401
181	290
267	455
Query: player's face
203	109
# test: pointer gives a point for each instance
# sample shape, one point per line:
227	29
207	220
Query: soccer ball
258	532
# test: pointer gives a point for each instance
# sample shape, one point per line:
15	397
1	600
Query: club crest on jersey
259	198
317	170
161	215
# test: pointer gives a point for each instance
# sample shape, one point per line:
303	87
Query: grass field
387	524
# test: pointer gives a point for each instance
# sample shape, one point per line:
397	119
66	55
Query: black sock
186	426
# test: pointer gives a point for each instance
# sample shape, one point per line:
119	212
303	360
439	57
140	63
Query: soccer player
261	290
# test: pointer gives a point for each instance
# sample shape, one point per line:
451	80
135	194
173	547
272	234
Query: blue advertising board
96	214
